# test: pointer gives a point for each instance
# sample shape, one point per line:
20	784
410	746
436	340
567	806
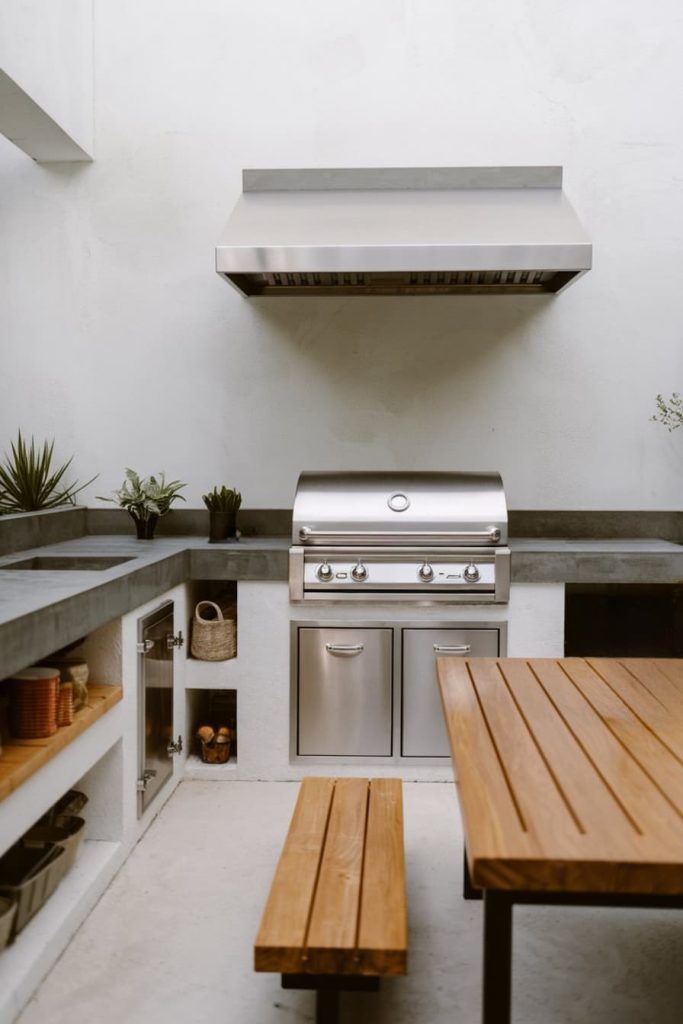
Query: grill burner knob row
359	572
425	572
471	573
324	572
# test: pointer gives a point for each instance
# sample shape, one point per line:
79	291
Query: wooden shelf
20	759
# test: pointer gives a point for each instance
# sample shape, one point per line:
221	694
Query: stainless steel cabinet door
155	688
345	692
423	733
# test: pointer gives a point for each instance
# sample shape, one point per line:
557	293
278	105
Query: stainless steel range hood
403	231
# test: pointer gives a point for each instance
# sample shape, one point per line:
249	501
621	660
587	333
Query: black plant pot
144	527
222	527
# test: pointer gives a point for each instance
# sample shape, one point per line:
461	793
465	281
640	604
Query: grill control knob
359	572
471	573
425	572
324	572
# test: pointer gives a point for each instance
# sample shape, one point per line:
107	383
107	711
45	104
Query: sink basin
68	563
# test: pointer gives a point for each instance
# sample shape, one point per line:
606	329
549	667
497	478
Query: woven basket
33	703
214	638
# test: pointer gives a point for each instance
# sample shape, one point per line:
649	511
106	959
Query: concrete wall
46	47
118	337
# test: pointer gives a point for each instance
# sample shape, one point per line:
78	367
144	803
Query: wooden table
570	782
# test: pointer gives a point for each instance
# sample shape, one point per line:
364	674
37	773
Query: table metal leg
497	957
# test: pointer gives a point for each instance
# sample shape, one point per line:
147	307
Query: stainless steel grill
397	536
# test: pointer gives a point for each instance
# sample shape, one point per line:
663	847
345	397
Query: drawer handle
346	650
453	649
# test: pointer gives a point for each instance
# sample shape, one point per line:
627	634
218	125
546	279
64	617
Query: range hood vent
403	231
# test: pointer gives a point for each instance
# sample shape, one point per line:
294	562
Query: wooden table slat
490	815
643	700
592	801
383	925
538	793
665	682
593	742
644	745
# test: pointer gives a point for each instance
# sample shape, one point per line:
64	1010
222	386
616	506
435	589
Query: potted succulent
146	500
29	481
222	505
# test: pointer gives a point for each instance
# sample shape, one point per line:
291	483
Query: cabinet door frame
398	624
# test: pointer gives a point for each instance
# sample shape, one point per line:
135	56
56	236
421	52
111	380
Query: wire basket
214	638
33	703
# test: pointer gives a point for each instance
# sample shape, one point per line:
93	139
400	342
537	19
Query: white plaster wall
118	337
46	47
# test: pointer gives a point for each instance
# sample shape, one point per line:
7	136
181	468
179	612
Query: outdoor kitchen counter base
43	610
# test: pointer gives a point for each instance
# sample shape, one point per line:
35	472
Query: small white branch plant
669	411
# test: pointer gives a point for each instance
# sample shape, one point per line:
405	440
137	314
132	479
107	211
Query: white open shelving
35	949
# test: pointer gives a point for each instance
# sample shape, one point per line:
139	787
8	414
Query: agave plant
226	500
147	498
29	481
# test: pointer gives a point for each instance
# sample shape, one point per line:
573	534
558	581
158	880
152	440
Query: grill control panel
350	573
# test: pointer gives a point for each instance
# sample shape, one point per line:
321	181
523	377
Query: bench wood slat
282	934
383	927
334	921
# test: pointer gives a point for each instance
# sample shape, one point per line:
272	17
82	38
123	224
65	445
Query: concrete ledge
192	522
34	529
596	524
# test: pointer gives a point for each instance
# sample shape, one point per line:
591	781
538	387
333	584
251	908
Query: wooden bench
336	915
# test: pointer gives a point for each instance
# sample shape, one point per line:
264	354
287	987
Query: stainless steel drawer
423	733
344	704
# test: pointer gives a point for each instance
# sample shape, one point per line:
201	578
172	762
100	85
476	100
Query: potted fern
146	500
222	505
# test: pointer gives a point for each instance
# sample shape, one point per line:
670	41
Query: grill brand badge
398	502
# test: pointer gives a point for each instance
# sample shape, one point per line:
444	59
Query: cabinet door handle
453	648
346	650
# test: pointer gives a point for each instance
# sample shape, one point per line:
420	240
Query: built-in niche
214	712
222	593
624	620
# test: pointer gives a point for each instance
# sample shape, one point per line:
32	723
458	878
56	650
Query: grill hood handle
489	536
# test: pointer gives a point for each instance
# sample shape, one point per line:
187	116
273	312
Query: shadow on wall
392	353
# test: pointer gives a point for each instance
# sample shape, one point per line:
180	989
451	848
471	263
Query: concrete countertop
43	610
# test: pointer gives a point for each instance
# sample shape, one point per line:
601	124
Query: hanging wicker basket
214	638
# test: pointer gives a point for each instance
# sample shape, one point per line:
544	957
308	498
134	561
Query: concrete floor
171	940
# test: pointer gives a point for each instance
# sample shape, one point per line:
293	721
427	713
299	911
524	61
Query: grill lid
391	508
403	231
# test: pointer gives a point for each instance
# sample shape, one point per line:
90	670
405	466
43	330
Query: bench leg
326	1007
497	957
